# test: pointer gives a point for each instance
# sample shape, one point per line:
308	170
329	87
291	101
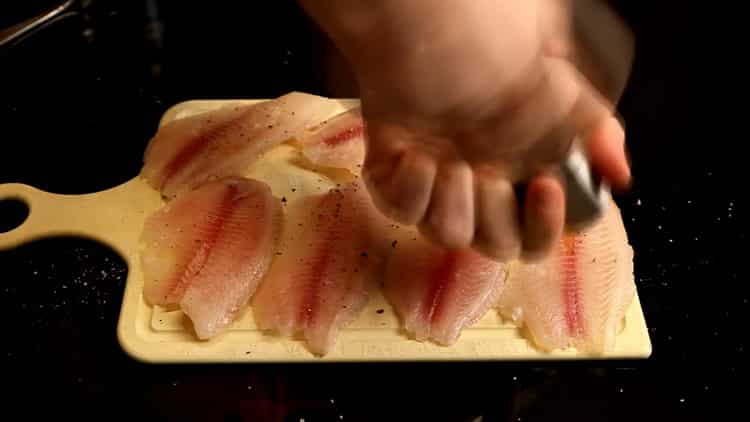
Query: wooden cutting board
153	334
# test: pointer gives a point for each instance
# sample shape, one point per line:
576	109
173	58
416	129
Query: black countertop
79	100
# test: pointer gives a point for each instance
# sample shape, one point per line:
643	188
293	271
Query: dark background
80	99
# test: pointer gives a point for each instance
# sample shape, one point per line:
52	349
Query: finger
398	177
603	136
498	234
543	217
403	193
605	147
592	119
449	220
582	108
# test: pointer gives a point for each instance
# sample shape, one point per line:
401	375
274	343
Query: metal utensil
585	193
15	32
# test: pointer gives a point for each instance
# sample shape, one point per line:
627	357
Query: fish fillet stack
307	266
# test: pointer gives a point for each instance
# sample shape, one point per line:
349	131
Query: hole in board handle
13	212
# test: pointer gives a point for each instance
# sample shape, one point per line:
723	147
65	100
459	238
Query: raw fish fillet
223	142
208	249
579	296
337	142
319	281
438	292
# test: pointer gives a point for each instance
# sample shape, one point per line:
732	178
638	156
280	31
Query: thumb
572	107
605	145
593	120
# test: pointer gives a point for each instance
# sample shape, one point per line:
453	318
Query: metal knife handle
586	194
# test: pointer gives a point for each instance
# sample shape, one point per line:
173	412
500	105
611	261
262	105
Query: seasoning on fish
189	151
208	249
321	280
338	142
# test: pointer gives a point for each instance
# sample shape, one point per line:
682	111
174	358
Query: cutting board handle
109	216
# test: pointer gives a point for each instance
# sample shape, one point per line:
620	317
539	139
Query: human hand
463	100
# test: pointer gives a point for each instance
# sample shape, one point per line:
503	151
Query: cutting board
115	217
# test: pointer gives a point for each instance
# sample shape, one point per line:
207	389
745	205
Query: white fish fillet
208	249
214	144
438	292
579	296
322	278
338	142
